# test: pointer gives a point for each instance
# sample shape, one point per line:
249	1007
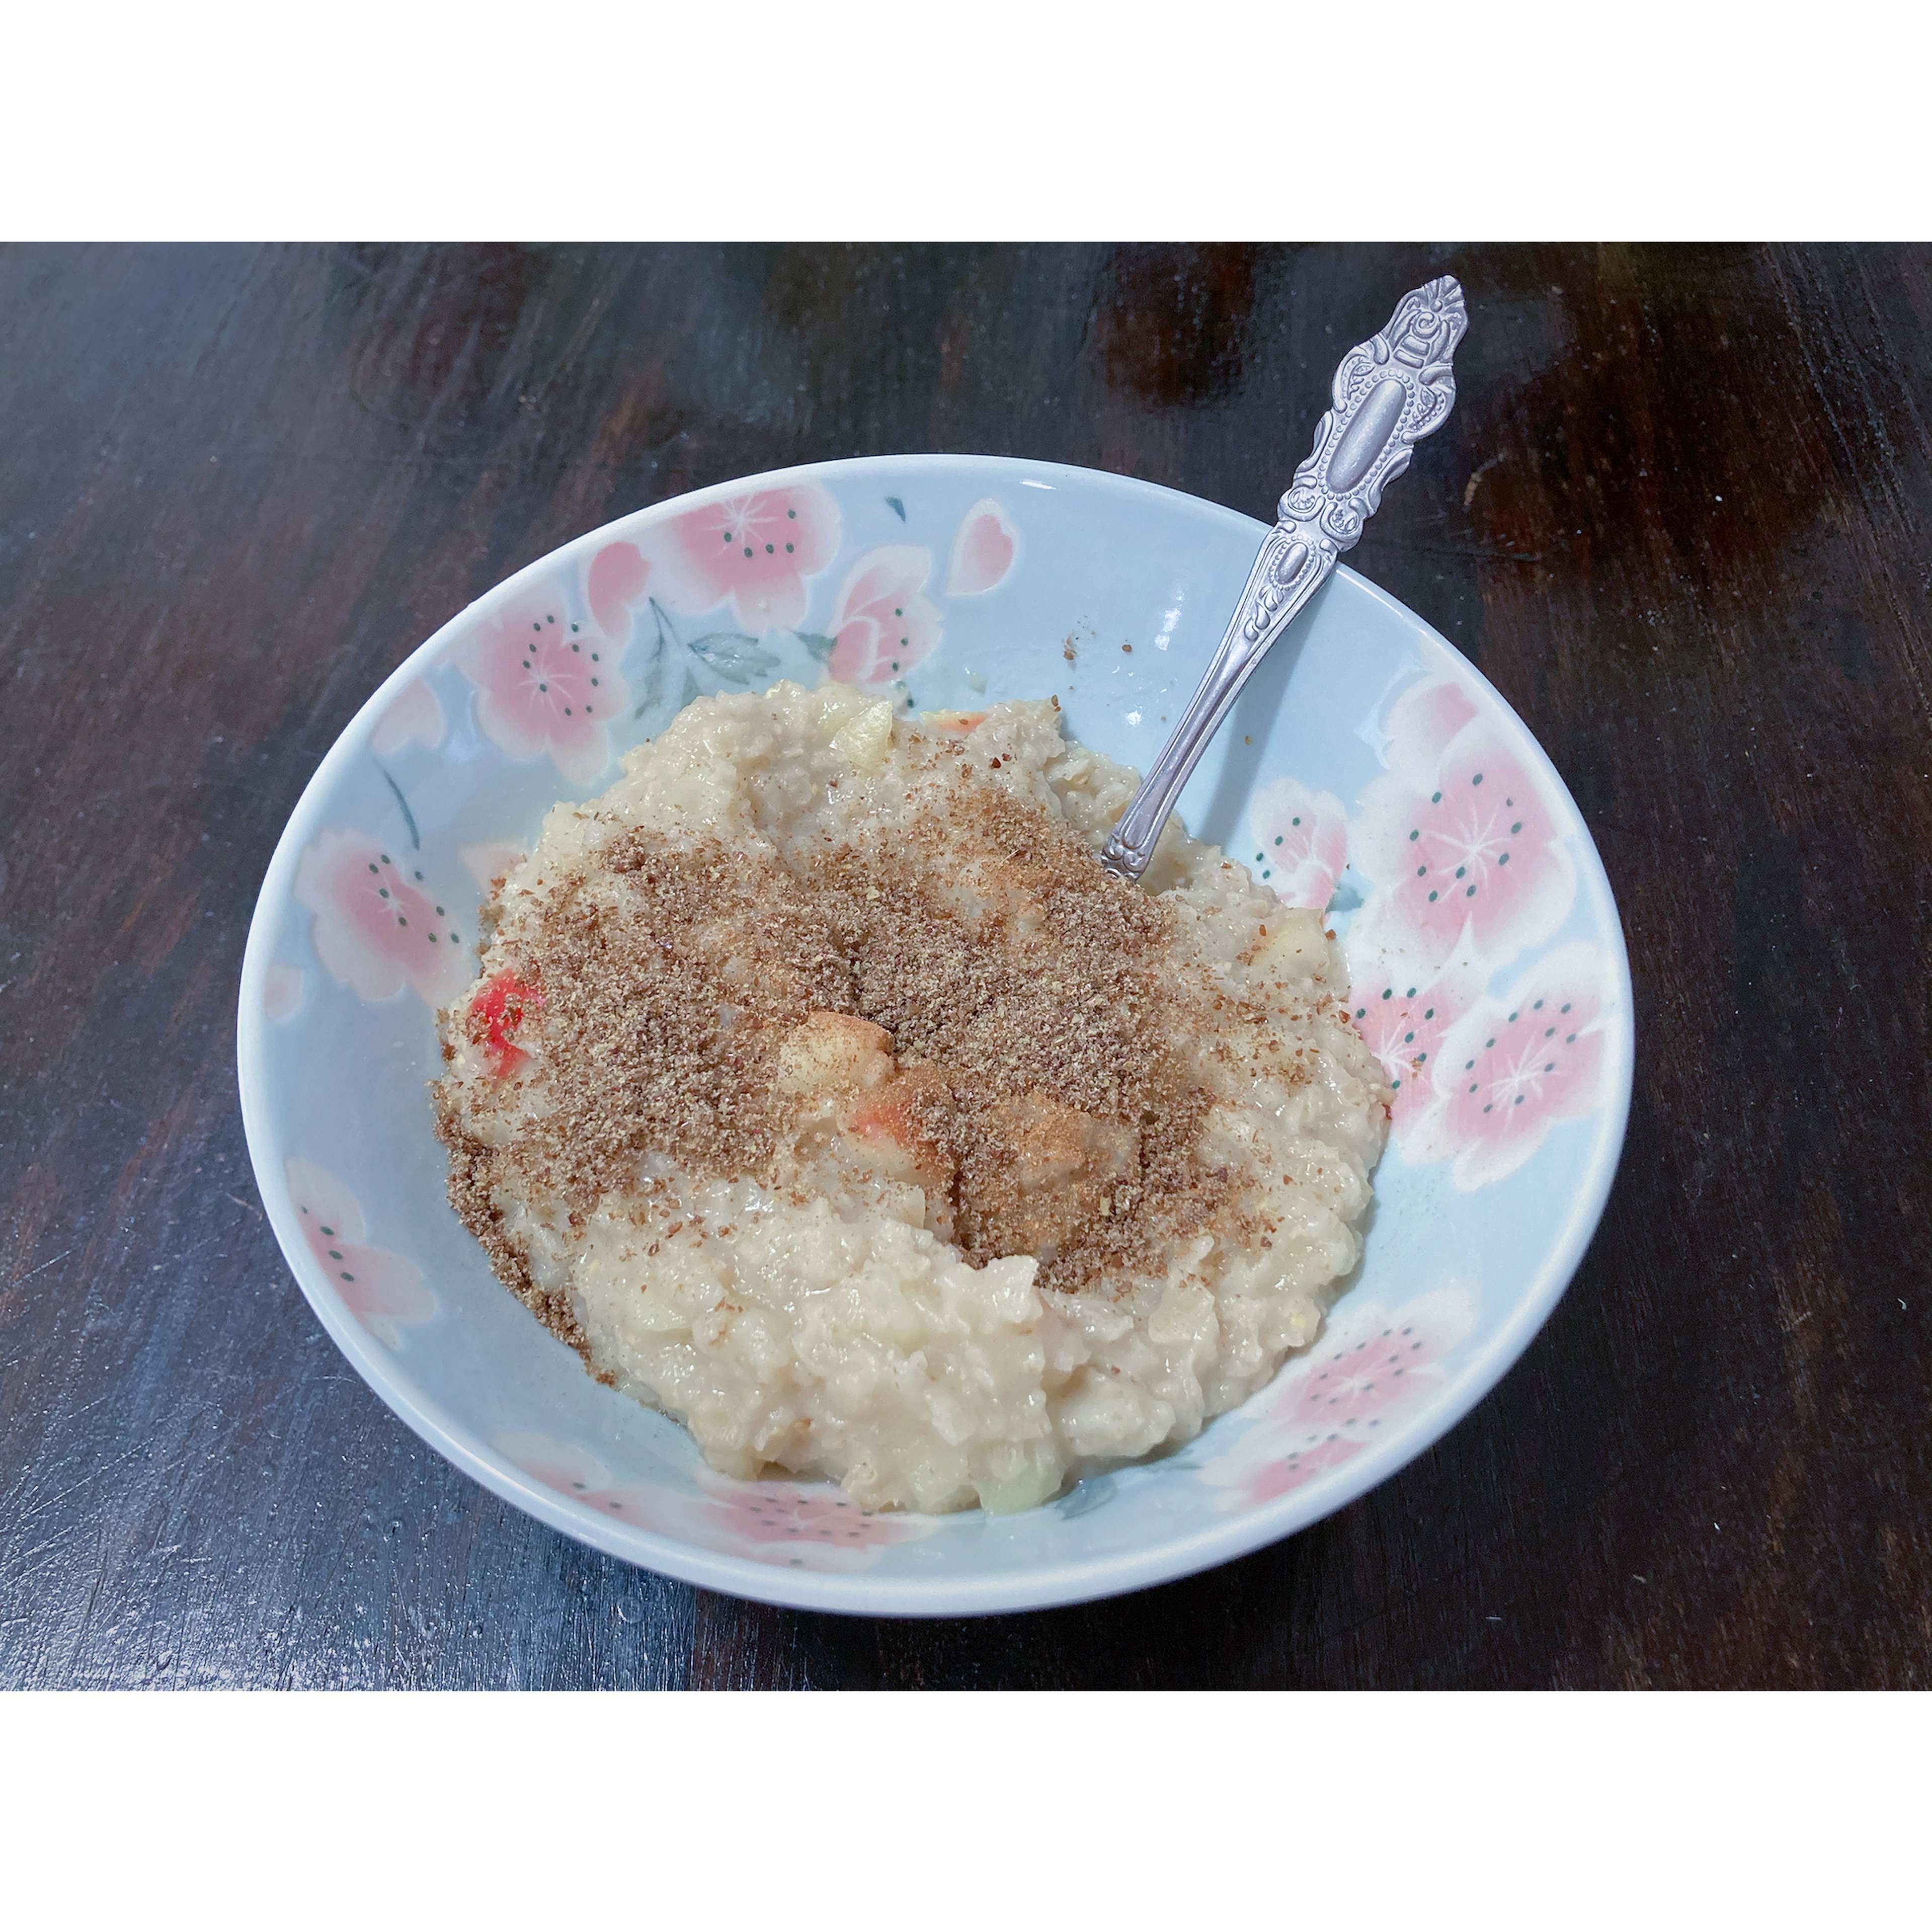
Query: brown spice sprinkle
1040	1029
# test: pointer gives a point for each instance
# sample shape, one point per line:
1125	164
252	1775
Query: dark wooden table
1682	516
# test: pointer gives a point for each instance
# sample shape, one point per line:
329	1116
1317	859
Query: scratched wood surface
1680	516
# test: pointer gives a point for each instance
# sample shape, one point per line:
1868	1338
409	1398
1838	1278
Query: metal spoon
1391	392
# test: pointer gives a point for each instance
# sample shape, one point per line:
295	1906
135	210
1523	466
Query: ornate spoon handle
1390	392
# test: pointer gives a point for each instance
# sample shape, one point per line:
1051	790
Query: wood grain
1680	516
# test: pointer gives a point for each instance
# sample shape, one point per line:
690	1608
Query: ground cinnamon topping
1035	996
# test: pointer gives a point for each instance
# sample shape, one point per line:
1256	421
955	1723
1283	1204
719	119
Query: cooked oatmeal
821	1090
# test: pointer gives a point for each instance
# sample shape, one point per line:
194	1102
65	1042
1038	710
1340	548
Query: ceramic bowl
1368	768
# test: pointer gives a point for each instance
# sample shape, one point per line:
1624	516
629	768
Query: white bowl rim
1040	1587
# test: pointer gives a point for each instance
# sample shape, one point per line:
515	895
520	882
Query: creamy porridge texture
821	1090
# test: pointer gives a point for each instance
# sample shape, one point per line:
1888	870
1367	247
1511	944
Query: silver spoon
1391	392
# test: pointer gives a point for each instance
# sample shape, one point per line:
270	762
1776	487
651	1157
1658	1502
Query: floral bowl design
1367	769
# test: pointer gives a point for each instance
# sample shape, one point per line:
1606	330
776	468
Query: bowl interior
1367	767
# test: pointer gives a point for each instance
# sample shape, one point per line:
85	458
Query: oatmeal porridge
822	1090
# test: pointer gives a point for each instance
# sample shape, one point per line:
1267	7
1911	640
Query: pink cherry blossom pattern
1509	1068
1264	1478
549	684
376	930
1465	850
984	547
1370	1368
810	1526
1420	724
1301	842
1404	1024
383	1290
282	992
574	1472
753	551
414	715
563	1466
882	625
613	587
1373	1365
488	863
